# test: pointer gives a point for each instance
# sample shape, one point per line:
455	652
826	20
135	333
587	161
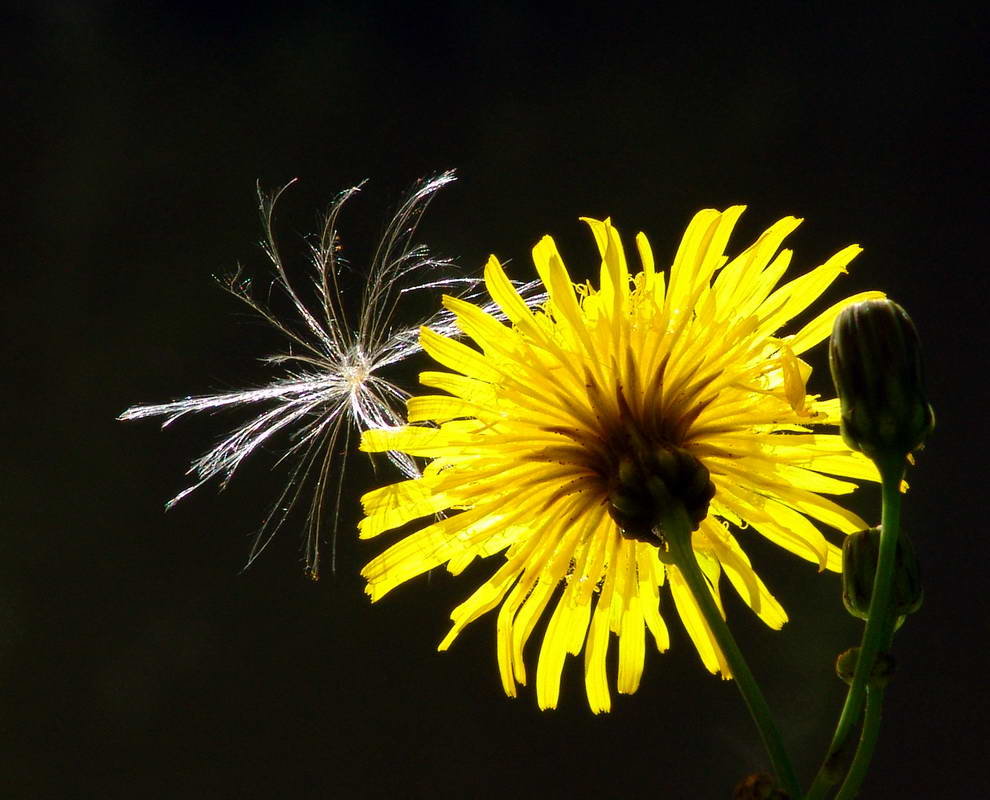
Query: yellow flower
532	439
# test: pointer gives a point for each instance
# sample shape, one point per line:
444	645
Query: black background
137	660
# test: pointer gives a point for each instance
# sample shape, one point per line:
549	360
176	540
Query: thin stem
677	532
876	635
871	728
867	744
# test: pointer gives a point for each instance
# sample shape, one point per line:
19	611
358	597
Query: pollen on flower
559	439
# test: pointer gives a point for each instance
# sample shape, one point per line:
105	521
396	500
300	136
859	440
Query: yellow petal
423	550
489	594
650	575
394	505
631	630
485	330
457	356
739	277
821	326
792	298
565	634
694	622
438	408
414	440
596	648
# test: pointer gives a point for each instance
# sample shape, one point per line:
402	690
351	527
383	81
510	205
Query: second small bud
860	553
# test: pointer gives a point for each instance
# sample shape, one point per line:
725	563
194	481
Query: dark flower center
639	465
645	474
645	481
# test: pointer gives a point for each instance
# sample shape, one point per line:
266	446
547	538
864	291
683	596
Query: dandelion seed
557	441
331	383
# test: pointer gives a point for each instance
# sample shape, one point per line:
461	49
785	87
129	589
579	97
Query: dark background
137	660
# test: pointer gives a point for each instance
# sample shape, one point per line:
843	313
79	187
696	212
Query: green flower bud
883	668
876	366
860	553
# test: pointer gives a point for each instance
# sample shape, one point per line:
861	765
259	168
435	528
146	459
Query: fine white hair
329	385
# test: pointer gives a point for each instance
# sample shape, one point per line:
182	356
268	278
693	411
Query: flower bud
860	553
883	668
876	366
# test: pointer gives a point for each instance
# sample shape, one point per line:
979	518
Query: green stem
870	731
876	636
677	531
867	743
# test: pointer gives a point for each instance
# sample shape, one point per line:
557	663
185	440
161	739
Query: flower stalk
867	743
677	533
876	638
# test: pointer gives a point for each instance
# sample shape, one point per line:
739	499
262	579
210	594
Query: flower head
546	443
